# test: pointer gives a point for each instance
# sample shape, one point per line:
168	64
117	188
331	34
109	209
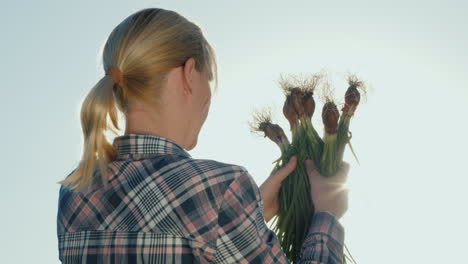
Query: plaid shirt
163	206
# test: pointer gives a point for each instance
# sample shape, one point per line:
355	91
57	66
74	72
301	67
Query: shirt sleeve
243	236
324	241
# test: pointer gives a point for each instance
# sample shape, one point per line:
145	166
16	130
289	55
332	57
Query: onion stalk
352	99
328	162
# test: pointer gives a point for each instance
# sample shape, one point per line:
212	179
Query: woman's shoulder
198	173
213	172
215	167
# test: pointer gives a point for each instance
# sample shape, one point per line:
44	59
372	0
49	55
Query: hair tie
116	74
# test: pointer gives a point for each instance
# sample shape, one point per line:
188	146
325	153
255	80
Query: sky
407	195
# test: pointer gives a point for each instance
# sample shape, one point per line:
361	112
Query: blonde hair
145	47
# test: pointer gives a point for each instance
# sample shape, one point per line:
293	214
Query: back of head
144	47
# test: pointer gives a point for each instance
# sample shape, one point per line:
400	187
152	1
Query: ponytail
99	103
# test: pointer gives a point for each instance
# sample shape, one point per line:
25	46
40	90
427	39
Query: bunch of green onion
296	207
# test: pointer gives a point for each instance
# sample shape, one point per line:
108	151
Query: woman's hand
328	193
271	187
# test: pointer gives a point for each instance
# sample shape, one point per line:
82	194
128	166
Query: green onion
296	208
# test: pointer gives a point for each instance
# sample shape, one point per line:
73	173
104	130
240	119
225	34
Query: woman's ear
188	72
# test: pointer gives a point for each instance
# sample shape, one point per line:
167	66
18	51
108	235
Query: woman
143	198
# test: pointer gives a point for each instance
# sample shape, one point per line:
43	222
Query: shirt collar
143	144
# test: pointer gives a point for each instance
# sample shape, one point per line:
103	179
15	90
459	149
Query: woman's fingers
340	203
283	172
310	165
340	176
287	169
311	169
342	173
